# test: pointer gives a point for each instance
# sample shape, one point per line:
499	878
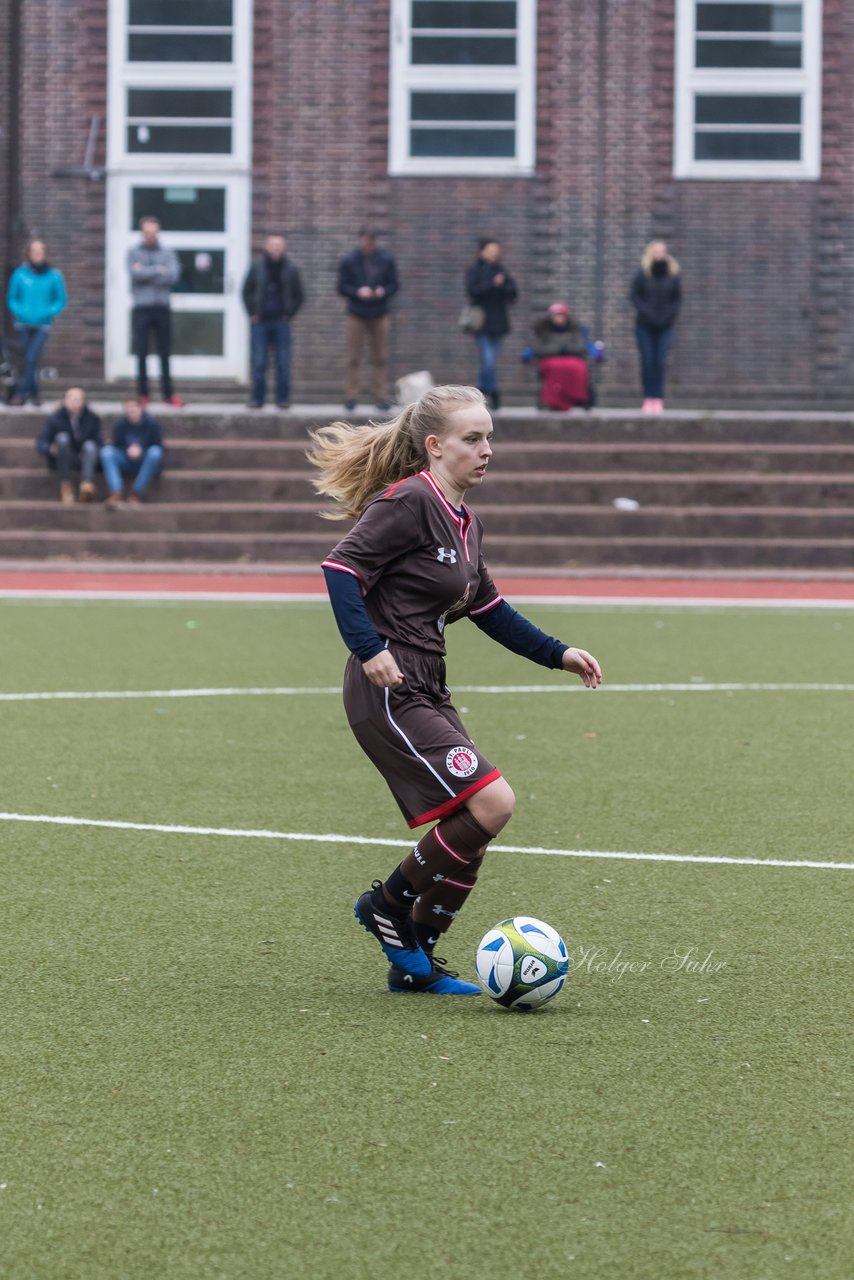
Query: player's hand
383	671
583	664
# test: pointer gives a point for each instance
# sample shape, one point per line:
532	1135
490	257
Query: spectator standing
70	440
136	450
367	278
656	295
35	297
154	272
272	295
560	347
491	287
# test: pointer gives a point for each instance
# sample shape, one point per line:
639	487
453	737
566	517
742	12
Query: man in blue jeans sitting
136	450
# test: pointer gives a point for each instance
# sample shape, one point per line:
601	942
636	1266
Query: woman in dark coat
656	295
561	351
490	286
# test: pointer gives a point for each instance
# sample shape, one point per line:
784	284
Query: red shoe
175	401
144	401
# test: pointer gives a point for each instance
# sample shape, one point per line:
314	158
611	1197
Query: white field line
288	691
308	597
304	837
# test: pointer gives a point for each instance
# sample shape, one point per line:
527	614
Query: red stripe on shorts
442	810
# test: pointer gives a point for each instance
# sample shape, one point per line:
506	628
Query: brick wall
767	266
63	85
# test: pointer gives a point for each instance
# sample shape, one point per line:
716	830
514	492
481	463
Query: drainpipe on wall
12	211
601	137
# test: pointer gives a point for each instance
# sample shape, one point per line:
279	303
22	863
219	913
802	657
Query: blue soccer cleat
395	934
439	982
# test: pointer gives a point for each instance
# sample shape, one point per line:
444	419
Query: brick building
574	130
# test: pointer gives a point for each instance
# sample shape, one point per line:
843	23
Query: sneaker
175	401
255	404
67	495
383	405
133	499
349	405
438	982
87	491
114	500
283	404
395	934
144	401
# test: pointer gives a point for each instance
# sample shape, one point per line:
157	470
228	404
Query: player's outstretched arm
583	664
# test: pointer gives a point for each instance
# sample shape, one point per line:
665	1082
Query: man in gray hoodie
154	272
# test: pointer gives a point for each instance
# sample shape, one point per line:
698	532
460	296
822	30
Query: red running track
100	583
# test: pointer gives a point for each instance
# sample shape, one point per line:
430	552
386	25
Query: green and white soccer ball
522	963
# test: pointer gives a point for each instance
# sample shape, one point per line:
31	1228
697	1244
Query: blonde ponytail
357	463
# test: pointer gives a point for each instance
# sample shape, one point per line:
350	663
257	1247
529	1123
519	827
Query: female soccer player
410	566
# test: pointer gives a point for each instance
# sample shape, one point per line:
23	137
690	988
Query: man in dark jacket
136	450
70	440
367	278
491	287
272	295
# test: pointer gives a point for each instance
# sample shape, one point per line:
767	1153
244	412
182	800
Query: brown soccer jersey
419	565
418	562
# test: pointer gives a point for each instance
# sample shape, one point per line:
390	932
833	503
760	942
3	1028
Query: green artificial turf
201	1074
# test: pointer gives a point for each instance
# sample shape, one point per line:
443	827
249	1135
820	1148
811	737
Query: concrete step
546	488
525	552
515	456
193	455
502	522
209	455
222	421
666	456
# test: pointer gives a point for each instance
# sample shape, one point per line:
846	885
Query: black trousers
146	319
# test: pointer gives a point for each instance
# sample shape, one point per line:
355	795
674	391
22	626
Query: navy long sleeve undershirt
520	636
356	628
502	623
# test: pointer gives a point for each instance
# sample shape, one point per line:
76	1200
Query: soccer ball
522	963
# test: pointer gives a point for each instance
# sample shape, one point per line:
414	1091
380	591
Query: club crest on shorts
461	761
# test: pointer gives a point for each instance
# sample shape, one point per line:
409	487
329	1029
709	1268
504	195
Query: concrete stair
731	490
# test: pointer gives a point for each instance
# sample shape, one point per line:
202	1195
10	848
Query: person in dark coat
656	295
272	295
70	440
490	286
136	450
367	278
560	347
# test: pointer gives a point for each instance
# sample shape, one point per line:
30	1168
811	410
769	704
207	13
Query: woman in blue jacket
36	295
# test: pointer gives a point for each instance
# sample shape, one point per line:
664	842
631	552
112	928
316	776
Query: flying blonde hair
356	463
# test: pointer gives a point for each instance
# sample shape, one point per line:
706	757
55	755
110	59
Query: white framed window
180	84
462	87
748	89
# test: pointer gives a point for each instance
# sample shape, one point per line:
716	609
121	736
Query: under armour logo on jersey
446	554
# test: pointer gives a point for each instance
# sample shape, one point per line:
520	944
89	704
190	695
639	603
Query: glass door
179	149
206	222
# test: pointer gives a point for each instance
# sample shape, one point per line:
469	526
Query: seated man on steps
136	450
70	440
